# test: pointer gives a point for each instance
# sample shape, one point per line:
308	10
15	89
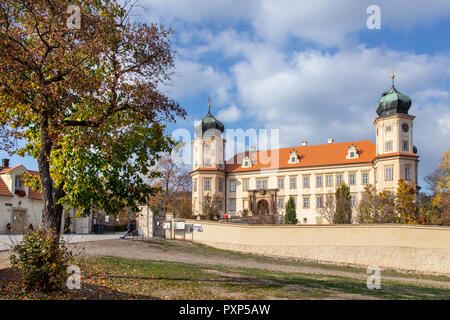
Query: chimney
330	140
5	163
304	143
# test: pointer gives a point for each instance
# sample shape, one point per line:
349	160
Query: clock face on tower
405	127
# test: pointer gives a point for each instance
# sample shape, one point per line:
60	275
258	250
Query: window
220	185
388	128
407	173
261	184
232	185
405	145
208	162
194	187
207	184
352	179
338	179
365	178
305	182
232	204
245	185
18	183
293	157
206	202
280	203
280	183
318	181
352	200
388	146
388	174
319	220
319	201
305	202
329	180
207	147
293	183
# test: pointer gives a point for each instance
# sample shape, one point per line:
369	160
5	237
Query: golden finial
209	104
392	76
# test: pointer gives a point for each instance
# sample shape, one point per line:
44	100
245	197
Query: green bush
42	259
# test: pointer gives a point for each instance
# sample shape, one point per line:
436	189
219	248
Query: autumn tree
436	209
174	183
343	206
405	203
84	101
291	214
376	207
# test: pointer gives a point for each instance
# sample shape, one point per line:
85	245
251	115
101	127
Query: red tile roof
4	191
310	156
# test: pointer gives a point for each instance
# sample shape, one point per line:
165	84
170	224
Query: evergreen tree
343	206
291	215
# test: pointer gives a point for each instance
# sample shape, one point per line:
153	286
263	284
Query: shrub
42	259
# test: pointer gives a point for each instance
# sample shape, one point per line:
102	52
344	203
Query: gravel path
188	252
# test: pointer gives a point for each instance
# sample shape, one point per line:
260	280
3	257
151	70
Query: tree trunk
52	211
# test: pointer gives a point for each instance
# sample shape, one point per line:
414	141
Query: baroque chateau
248	184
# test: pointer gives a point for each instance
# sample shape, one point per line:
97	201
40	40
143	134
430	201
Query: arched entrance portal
262	208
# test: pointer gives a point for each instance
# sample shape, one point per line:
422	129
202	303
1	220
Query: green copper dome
393	102
209	122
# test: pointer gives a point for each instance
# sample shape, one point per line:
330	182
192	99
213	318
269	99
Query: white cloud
230	114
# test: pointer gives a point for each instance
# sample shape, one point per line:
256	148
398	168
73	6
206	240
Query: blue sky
311	69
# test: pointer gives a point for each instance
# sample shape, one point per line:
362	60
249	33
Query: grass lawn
119	278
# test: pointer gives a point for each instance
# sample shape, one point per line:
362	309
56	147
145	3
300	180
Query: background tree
212	207
436	208
291	214
405	203
377	207
343	205
174	184
328	211
84	101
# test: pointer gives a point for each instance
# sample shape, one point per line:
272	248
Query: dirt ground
194	253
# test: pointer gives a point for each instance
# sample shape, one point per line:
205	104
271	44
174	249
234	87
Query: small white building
20	207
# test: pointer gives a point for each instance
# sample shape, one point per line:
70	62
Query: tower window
407	173
388	174
207	184
388	128
388	146
405	145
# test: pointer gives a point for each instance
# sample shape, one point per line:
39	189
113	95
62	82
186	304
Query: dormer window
19	185
352	152
246	163
293	157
